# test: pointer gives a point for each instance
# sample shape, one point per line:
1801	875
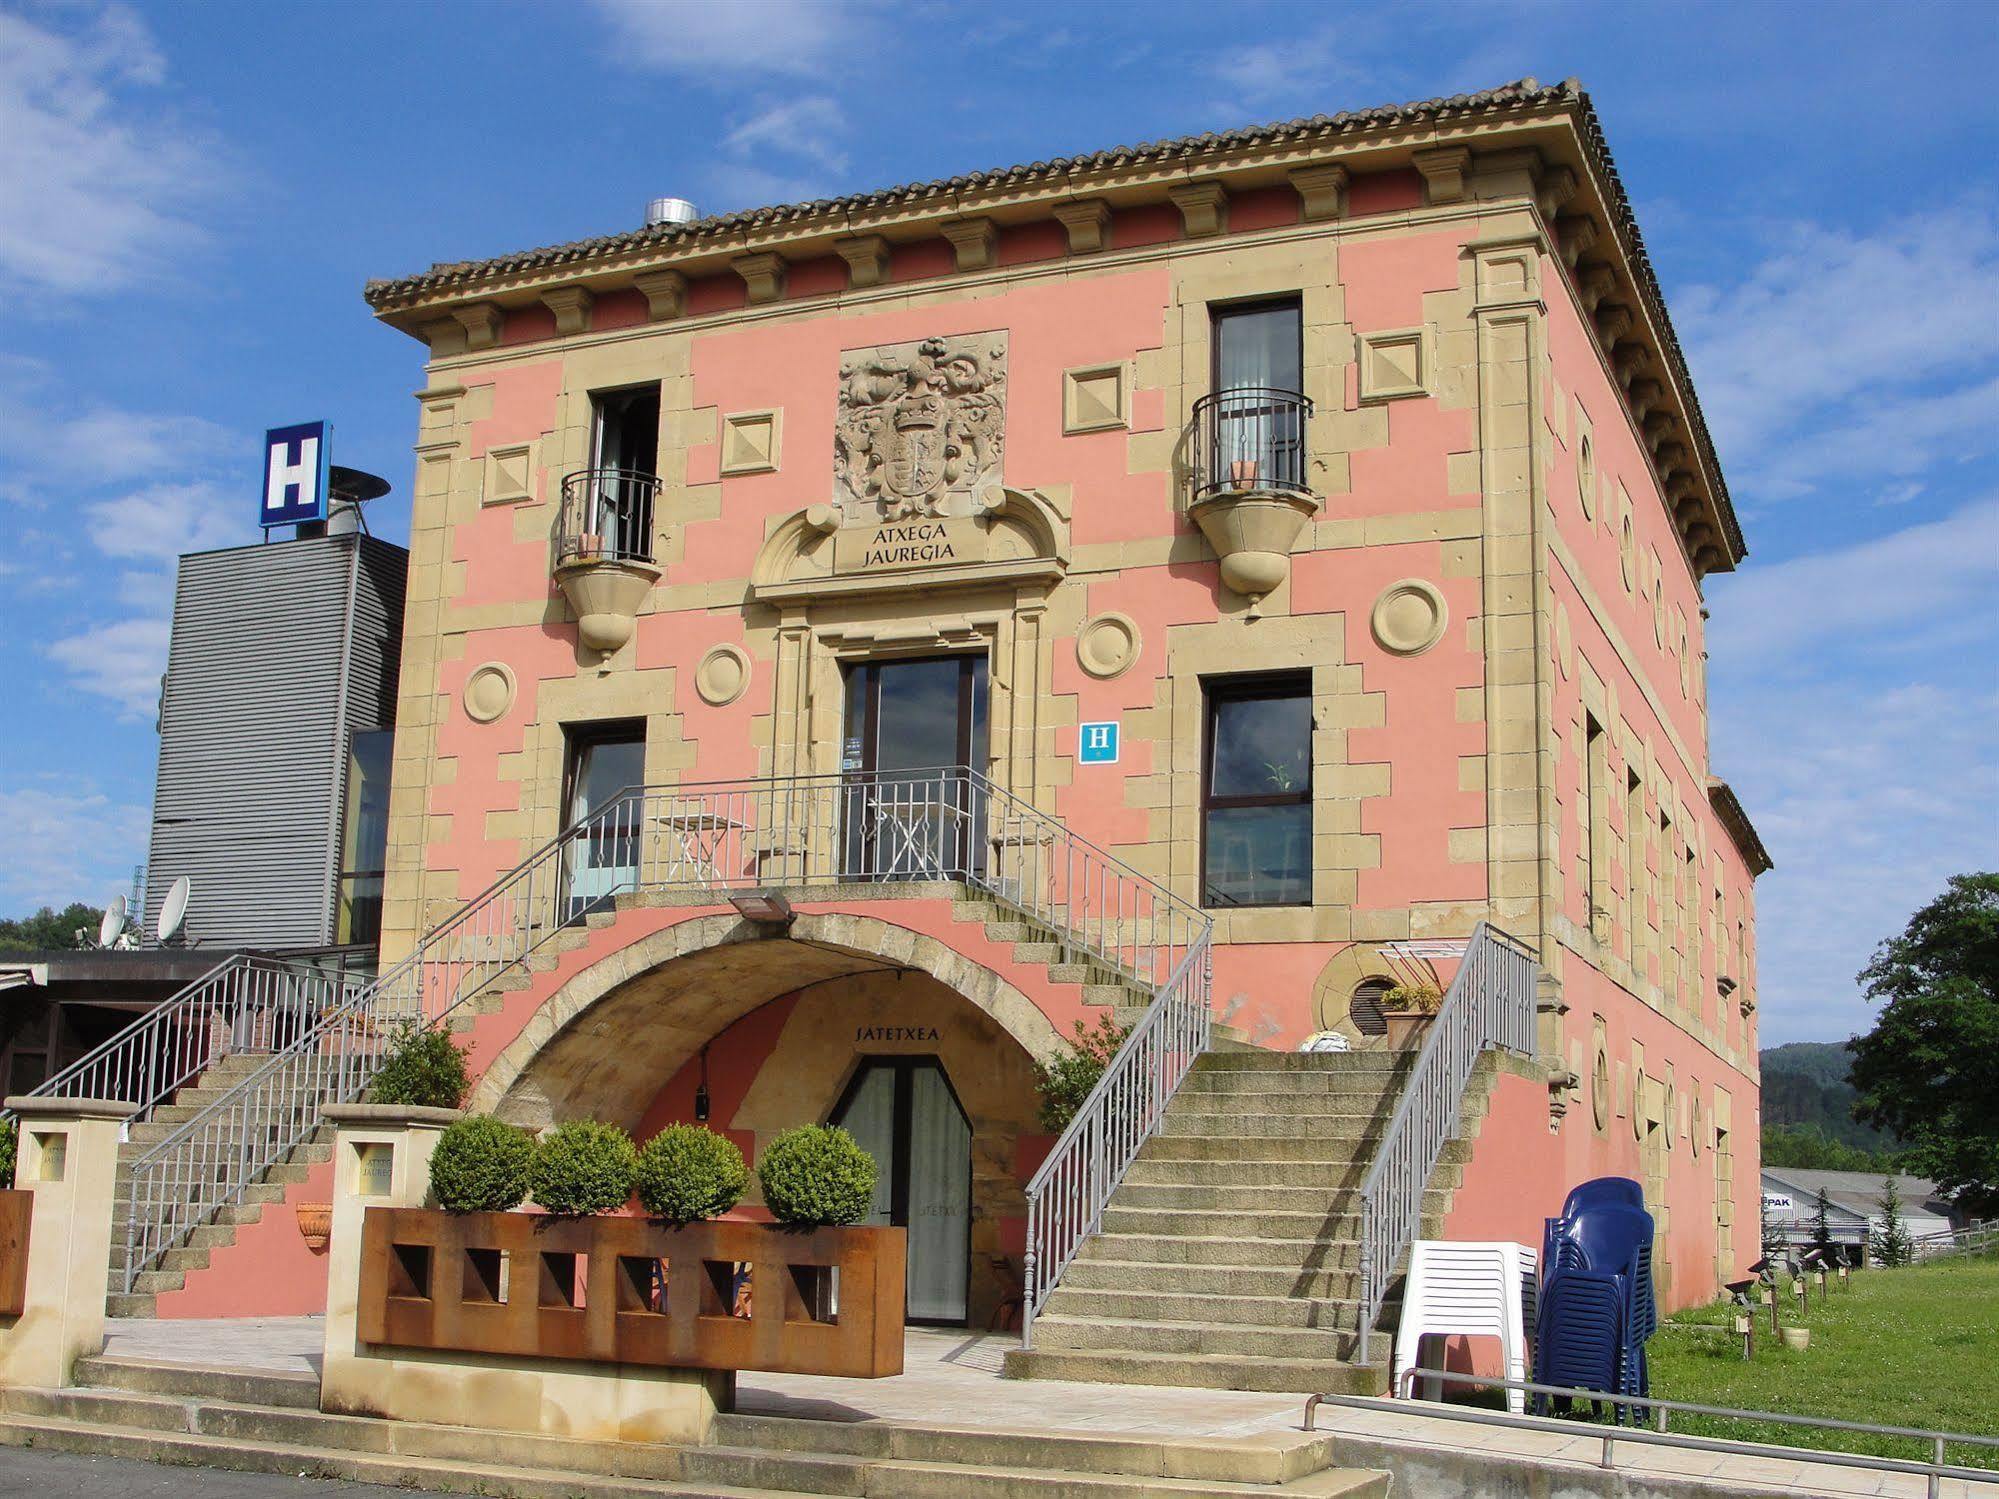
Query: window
1256	845
1258	433
602	858
1365	1008
1634	868
364	837
1596	772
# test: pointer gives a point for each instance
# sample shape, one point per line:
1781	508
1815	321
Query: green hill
1808	1109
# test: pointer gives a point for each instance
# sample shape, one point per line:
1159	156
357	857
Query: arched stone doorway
771	1032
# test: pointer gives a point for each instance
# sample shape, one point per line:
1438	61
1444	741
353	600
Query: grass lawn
1911	1347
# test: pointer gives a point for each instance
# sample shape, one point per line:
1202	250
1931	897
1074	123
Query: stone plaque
921	429
901	544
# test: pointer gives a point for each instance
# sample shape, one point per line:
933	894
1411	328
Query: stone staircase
270	1423
1229	1256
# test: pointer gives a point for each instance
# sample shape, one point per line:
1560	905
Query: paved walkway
953	1379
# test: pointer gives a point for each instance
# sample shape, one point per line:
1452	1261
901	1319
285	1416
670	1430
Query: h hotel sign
295	461
1097	743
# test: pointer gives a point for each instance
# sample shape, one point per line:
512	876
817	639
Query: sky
193	195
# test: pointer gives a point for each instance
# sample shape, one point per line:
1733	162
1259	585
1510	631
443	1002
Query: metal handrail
1935	1470
606	515
1490	1003
1251	438
249	1002
944	824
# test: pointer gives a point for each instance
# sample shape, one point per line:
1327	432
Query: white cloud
95	188
67	841
809	127
49	438
1316	62
159	523
1844	354
699	37
121	661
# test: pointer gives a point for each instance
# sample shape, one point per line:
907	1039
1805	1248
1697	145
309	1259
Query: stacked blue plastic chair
1599	1250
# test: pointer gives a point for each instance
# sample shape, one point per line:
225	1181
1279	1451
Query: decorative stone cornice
1645	394
665	293
1613	321
1575	233
763	274
974	242
1088	222
1204	207
571	306
1443	169
481	322
1556	187
867	258
1594	282
1322	191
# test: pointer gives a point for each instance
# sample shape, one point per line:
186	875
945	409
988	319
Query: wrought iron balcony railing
1250	438
606	516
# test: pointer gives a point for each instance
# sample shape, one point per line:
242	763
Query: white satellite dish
112	927
173	910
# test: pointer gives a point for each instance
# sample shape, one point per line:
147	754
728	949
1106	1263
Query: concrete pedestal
69	1161
542	1397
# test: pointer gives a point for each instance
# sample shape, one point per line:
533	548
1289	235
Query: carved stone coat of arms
922	426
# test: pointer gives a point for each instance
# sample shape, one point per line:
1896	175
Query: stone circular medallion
489	691
1409	617
1108	645
723	675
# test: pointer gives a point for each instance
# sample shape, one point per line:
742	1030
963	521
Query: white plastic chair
1474	1289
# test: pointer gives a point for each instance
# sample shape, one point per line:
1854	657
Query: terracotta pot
1406	1028
315	1223
1797	1339
1244	470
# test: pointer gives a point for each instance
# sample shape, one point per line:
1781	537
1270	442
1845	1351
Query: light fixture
764	907
701	1091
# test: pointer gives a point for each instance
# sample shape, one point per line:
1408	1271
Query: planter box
15	1210
631	1291
1406	1028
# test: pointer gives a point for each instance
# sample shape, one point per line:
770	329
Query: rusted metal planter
16	1209
630	1291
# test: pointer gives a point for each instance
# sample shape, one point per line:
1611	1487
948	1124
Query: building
851	644
1853	1207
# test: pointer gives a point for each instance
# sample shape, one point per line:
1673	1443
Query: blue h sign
294	475
1096	744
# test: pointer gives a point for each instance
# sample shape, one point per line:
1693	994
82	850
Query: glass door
1258	377
909	726
604	858
904	1113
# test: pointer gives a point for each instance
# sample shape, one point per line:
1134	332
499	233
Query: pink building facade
1304	530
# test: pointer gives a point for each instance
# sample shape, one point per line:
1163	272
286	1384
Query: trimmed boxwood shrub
423	1069
7	1139
583	1167
816	1175
480	1165
687	1173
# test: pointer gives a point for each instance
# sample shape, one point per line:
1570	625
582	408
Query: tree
1809	1146
1889	1243
1822	1224
1929	1070
49	929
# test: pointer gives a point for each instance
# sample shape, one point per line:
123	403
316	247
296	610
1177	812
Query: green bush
1067	1081
422	1069
687	1173
816	1175
7	1135
480	1165
583	1167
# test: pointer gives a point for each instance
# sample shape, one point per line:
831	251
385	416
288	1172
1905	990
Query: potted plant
1408	1010
1243	471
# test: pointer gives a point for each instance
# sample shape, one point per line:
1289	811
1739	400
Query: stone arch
601	1044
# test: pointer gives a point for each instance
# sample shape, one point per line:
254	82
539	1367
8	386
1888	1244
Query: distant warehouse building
1853	1207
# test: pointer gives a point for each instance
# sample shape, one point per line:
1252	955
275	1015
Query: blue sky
192	195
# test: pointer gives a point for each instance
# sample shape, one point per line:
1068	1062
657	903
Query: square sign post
295	461
1097	743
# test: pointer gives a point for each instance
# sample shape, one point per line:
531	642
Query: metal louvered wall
279	652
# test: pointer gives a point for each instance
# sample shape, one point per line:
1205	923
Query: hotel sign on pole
295	460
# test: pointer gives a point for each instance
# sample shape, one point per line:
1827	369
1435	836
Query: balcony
1251	492
604	551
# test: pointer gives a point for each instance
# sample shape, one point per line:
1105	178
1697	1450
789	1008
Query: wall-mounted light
764	907
701	1091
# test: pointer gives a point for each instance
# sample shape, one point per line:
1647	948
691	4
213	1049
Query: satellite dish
173	910
353	485
112	927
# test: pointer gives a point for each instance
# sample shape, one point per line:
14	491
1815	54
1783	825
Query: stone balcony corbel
1087	222
1443	169
665	293
1595	282
763	274
1645	395
1552	193
1613	321
974	242
481	322
571	306
867	259
1575	234
1322	191
1628	360
1204	207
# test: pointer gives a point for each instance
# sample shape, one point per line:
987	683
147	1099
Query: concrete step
1365	1106
129	1304
1315	1199
1306	1061
1301	1150
1262	1082
1252	1224
190	1382
1123	1335
1321	1176
1285	1126
1206	1372
1210	1283
1232	1250
1138	1302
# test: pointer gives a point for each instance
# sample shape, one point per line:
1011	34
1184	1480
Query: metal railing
1250	437
949	824
1935	1471
606	515
1490	1003
247	1003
